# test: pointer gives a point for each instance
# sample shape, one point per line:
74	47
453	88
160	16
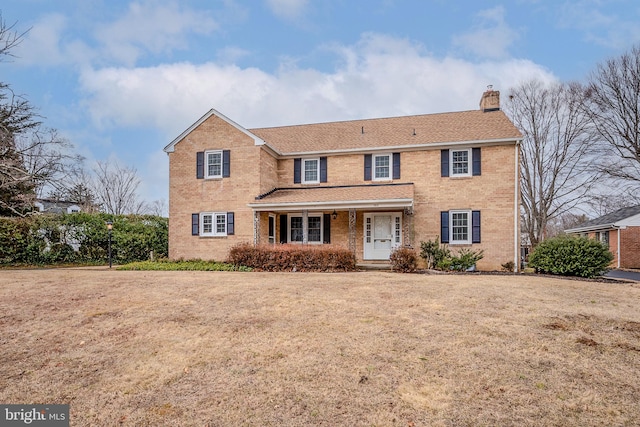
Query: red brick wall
630	247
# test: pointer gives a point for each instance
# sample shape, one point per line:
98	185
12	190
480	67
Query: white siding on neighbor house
631	221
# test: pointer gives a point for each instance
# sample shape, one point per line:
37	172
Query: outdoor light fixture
334	215
109	228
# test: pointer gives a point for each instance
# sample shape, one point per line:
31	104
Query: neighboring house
56	206
620	231
368	185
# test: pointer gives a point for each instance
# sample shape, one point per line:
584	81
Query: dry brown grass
356	349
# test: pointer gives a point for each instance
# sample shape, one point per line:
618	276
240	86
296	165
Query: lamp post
109	227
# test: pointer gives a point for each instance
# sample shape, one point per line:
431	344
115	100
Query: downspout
516	213
619	254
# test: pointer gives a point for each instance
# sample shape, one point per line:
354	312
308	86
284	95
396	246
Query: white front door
382	233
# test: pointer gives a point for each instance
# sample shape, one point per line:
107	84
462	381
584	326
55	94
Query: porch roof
371	196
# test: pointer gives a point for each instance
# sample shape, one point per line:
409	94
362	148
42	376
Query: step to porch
374	265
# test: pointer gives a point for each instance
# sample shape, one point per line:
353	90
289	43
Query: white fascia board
601	227
213	112
347	204
412	147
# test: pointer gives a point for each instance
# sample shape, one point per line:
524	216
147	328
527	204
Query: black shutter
195	224
226	163
475	227
444	163
444	227
367	167
477	163
326	228
297	171
283	228
200	165
323	169
230	224
396	165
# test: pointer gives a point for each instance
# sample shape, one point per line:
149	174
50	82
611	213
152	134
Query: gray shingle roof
610	218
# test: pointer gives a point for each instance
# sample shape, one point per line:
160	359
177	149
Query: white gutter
619	255
516	214
347	204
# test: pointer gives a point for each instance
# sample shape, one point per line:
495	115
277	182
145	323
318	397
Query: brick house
620	231
368	185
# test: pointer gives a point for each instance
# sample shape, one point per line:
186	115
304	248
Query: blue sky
121	79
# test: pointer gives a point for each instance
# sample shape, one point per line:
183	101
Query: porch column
407	226
305	227
352	231
256	228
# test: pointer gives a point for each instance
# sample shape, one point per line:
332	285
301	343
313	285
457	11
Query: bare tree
556	153
158	208
48	159
115	187
613	104
9	37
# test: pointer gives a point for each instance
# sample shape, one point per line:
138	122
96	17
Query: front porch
369	220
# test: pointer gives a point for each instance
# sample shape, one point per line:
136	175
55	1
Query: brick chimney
490	100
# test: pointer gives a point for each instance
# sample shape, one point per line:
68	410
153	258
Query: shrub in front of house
571	256
440	257
292	257
403	260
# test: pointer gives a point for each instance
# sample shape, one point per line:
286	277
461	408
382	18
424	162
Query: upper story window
213	165
460	162
311	174
381	167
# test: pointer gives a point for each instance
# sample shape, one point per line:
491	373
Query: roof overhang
171	146
412	147
375	204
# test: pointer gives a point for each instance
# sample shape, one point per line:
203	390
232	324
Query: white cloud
491	37
379	76
290	10
156	27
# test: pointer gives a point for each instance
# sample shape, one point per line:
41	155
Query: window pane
311	170
314	229
214	164
381	166
221	224
460	226
296	229
460	162
207	225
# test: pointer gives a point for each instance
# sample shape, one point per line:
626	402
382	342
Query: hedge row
81	238
292	257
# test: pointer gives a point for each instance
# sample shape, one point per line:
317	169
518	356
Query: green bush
571	256
292	257
81	238
439	256
434	253
465	259
403	260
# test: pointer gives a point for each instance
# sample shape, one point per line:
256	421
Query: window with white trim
381	167
213	164
460	228
460	161
314	228
310	171
213	224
